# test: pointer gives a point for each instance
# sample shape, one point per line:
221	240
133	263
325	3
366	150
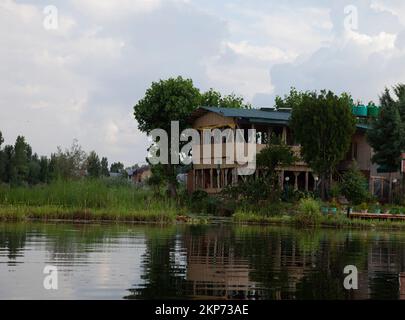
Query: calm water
217	261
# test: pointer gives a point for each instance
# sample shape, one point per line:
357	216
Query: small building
140	175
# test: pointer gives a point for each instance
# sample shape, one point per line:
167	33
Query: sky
78	76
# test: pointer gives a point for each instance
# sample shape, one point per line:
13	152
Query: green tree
34	170
291	100
276	154
68	164
214	98
117	167
165	101
2	158
10	172
386	135
93	165
104	167
22	156
44	172
354	185
323	124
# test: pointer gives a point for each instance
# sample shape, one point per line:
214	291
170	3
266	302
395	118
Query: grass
335	221
85	200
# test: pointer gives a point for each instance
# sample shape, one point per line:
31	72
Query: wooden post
306	181
211	178
282	179
284	135
218	179
296	174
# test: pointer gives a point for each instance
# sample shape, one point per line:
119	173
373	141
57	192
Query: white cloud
81	80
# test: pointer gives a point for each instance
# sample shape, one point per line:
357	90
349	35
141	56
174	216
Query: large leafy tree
165	101
323	124
386	136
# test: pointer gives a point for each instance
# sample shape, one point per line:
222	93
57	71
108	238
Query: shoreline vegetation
86	200
106	200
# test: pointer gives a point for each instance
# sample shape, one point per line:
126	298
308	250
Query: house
212	177
140	175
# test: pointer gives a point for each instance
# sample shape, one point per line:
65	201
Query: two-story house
212	177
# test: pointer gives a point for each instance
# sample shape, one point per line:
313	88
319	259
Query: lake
97	261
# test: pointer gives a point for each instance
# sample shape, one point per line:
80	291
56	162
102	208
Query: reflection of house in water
215	272
384	277
218	268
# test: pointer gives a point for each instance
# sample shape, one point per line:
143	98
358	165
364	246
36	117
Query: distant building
140	175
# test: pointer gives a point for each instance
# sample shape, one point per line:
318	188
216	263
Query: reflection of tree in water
162	277
13	237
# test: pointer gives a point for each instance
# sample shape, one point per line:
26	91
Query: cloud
82	80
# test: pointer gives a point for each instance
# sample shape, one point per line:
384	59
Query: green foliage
22	155
68	164
309	212
214	98
104	167
323	124
354	186
387	134
165	101
290	101
93	165
117	167
2	158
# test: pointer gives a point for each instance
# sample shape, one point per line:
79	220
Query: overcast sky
82	79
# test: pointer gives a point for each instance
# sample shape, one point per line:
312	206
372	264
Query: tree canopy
323	124
386	136
175	99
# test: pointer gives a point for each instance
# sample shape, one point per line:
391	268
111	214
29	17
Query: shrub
354	186
309	212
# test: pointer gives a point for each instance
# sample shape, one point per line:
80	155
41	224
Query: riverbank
338	220
44	213
86	200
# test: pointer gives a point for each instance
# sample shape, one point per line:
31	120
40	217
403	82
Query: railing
219	153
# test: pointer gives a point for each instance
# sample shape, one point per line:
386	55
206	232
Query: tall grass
95	199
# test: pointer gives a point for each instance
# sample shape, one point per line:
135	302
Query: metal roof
255	115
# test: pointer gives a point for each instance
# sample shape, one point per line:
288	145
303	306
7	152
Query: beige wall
212	119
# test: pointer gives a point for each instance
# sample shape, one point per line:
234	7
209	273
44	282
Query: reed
99	199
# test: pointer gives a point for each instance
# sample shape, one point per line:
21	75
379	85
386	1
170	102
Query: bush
354	186
309	212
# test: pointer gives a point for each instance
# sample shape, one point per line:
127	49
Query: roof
253	115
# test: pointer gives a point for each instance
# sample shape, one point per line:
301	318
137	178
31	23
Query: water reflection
222	261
